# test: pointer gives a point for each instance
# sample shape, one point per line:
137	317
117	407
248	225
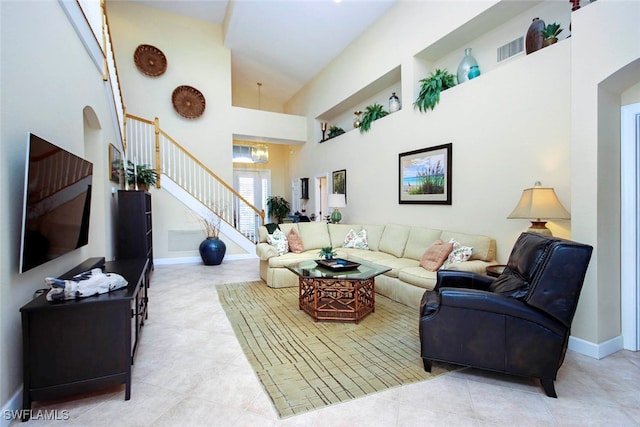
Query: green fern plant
335	131
371	114
429	95
551	31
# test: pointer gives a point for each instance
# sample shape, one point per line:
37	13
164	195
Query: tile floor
190	371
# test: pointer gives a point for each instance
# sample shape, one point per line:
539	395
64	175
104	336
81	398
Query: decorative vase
356	122
534	39
465	65
549	42
394	103
212	251
473	72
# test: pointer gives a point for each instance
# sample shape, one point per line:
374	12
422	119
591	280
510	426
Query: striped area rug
305	365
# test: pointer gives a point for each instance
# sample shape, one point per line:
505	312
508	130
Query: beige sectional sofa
399	247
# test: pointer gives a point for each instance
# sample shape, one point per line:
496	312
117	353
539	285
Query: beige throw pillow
435	255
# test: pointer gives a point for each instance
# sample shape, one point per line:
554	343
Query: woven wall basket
150	60
188	102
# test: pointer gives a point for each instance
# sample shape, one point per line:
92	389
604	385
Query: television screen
57	203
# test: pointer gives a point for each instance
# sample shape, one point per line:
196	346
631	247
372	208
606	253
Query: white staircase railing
147	144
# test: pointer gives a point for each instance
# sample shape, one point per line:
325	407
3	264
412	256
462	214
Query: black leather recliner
518	323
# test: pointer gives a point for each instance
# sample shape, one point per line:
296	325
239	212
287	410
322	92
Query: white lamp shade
336	201
539	203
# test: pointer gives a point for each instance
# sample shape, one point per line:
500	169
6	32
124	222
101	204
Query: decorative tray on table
337	264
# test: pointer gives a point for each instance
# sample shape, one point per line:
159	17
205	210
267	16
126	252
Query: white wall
509	128
595	137
42	66
196	57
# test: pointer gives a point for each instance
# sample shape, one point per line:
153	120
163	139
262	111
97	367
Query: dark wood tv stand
79	345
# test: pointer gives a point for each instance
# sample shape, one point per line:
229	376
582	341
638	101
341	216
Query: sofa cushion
374	233
290	258
279	241
356	240
436	255
337	232
483	246
394	239
418	276
420	238
397	265
295	241
315	235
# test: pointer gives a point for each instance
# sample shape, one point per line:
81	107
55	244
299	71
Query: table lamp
336	201
539	204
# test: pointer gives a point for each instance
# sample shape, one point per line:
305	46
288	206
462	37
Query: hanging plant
371	114
429	95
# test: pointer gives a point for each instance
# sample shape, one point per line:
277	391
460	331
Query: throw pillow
356	240
271	227
295	241
459	253
435	255
279	241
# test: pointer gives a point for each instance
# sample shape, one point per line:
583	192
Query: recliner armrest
462	279
470	299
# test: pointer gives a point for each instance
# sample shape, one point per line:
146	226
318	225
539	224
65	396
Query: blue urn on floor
212	251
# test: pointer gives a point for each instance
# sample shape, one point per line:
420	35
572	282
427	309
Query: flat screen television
57	202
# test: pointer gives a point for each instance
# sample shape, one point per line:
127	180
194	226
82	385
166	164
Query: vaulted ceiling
281	43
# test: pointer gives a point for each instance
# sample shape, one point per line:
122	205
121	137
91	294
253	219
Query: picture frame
425	175
115	163
339	181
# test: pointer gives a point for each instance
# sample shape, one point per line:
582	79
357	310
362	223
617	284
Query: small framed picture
340	182
425	175
115	163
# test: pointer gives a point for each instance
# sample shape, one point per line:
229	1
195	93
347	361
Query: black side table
495	270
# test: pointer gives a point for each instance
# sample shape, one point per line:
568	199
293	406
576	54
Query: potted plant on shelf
212	249
142	175
550	34
431	87
335	131
371	114
278	208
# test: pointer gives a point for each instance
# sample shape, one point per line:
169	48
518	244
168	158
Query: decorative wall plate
188	102
150	60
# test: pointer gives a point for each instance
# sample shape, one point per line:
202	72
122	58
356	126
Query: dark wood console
78	345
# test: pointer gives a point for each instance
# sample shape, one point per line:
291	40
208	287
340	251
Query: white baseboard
198	260
597	351
14	404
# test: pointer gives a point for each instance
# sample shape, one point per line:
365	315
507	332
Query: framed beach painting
425	175
340	182
115	160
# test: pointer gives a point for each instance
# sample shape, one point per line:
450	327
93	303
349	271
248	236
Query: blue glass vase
465	66
473	72
212	251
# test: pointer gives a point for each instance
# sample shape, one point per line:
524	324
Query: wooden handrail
163	141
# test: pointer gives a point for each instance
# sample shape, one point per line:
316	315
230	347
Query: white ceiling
281	43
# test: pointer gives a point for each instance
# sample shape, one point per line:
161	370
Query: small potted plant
429	95
335	131
278	208
550	34
327	253
142	175
370	115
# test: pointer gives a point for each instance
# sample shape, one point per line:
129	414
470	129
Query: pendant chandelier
259	153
